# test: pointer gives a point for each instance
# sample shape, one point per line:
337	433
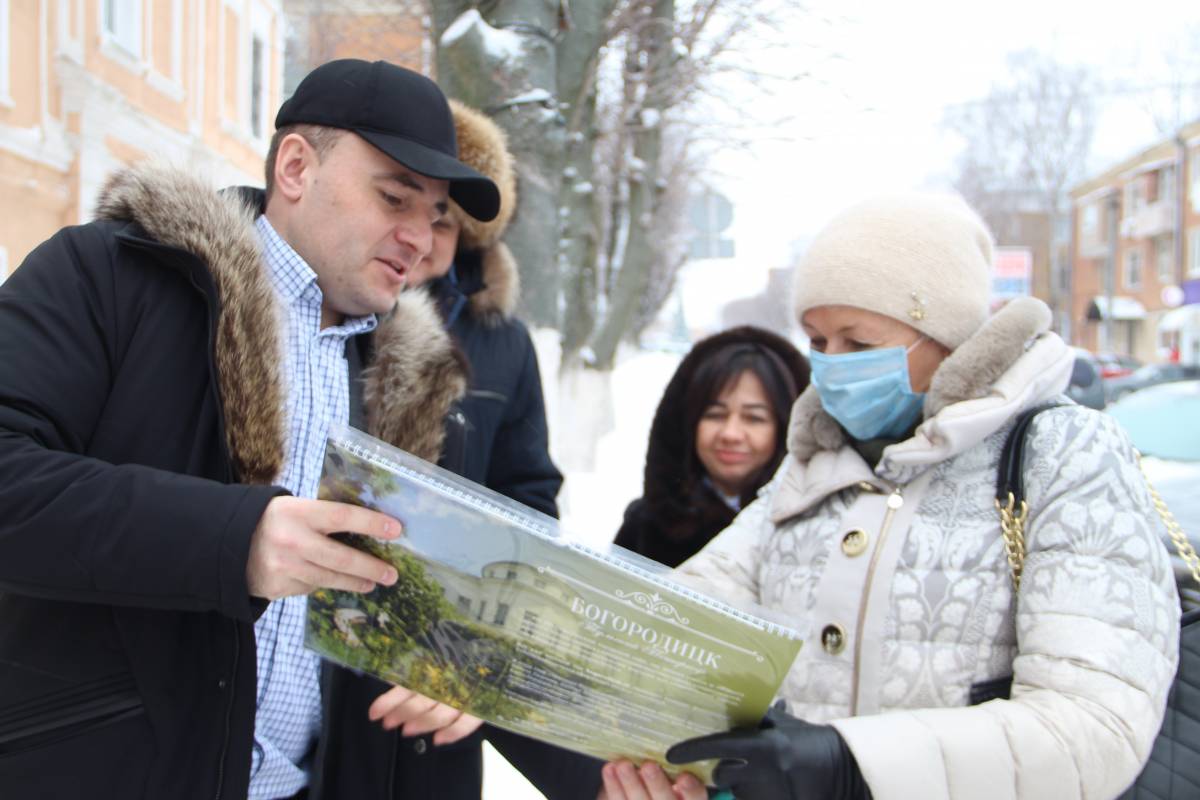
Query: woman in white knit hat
879	535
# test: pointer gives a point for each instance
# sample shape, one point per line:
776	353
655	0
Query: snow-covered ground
597	489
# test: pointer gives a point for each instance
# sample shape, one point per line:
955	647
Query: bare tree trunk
578	60
654	43
506	65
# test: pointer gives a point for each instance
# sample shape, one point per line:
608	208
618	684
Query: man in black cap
168	375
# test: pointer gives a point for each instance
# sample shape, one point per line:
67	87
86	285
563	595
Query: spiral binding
374	455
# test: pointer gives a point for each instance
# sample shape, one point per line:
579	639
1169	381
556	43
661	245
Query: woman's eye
392	200
713	413
817	344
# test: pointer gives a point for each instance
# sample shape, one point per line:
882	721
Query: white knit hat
922	258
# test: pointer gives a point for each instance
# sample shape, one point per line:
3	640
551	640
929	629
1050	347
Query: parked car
1164	423
1149	375
1116	365
1086	388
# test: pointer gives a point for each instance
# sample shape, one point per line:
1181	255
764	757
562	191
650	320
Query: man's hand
291	552
415	714
623	781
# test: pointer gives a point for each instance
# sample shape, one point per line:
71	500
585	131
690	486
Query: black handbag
1173	771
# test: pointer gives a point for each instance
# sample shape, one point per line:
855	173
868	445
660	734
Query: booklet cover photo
501	615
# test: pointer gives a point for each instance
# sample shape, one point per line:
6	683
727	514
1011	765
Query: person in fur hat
473	277
717	438
932	669
497	436
168	376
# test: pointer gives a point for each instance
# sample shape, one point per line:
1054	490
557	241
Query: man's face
441	256
363	222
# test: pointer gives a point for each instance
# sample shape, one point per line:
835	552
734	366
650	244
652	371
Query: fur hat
483	146
922	258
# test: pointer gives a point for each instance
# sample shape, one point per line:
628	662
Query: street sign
1012	271
710	213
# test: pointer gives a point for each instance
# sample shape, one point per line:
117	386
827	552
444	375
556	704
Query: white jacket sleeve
1098	635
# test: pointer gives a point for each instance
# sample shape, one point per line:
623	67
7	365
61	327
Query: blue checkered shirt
288	716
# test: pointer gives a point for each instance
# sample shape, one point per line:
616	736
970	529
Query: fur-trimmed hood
1011	363
416	372
492	284
679	512
487	279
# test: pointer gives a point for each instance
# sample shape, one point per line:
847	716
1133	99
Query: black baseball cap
402	113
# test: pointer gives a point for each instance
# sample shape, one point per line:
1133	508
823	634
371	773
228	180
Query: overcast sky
870	121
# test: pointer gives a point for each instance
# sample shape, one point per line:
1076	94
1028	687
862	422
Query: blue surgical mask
869	392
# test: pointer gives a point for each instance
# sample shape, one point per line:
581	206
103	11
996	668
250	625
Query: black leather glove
785	758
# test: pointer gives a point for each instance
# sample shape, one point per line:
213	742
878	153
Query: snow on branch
496	44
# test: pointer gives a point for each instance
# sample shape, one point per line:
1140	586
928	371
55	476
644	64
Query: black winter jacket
507	442
497	436
141	422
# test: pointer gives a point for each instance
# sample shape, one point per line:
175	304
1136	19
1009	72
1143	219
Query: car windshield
1161	420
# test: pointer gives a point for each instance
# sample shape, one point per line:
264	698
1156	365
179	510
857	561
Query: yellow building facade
87	86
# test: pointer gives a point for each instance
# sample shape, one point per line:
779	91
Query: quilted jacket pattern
928	610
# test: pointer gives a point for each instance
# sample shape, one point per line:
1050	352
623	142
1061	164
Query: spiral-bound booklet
501	614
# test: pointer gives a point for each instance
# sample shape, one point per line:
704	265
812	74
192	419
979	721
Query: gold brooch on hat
917	312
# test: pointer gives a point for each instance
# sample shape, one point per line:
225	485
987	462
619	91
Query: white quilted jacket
927	607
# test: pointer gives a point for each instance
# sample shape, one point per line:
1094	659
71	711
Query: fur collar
497	300
179	210
967	373
1009	364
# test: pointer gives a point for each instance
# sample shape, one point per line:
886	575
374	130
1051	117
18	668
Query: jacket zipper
237	647
894	501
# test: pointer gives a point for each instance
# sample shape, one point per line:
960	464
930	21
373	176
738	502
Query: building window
501	613
511	575
1194	179
1090	222
1166	185
1133	270
1193	270
5	56
121	21
258	97
1164	258
1132	198
529	623
464	604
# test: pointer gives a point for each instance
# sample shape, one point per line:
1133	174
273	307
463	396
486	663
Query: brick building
87	86
1136	254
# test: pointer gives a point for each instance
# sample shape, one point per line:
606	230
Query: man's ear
293	161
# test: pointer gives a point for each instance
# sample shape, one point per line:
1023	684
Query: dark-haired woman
717	437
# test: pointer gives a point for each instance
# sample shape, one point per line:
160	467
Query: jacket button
221	684
854	543
833	639
419	746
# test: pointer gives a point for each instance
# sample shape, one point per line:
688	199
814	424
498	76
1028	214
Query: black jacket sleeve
520	465
79	528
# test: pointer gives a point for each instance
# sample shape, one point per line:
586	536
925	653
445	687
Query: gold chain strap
1178	537
1012	528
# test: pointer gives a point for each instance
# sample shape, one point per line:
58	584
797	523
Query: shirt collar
294	280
